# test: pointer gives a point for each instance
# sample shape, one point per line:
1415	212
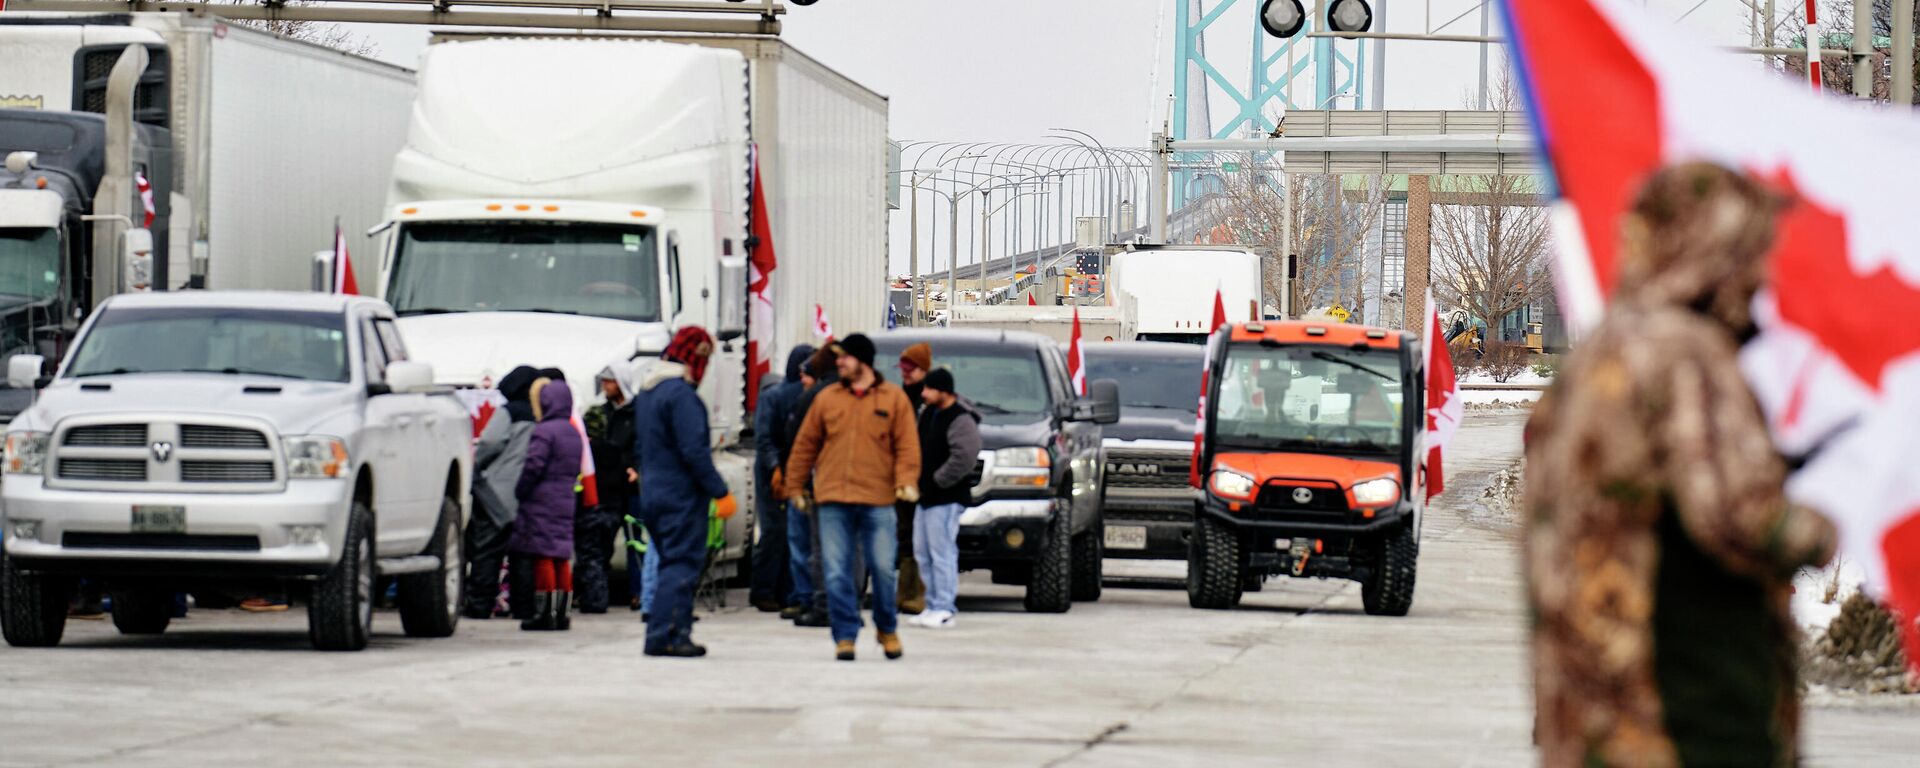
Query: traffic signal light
1285	18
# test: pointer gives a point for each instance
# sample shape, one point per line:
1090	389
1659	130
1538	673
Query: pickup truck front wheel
1088	550
340	615
144	611
430	602
33	608
1050	590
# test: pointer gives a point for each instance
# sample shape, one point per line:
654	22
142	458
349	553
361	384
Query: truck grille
106	470
194	455
108	436
1279	497
207	436
1137	468
226	471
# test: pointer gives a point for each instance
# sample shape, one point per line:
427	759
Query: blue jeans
636	563
845	530
936	534
800	557
649	573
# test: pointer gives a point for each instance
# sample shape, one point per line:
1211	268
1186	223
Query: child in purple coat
543	531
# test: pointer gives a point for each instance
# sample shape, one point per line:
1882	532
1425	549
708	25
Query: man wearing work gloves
860	437
672	454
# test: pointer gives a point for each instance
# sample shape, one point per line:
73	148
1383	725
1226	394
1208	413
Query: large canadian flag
1613	93
1197	474
1444	407
760	266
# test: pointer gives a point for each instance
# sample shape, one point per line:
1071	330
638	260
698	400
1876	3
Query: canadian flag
1032	303
1077	357
1194	470
1836	364
343	281
146	196
821	328
760	315
1444	408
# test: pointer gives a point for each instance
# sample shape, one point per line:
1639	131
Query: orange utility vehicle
1308	463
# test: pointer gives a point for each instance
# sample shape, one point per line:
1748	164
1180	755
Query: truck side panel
298	135
828	185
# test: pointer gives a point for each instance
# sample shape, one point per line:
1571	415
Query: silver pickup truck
234	441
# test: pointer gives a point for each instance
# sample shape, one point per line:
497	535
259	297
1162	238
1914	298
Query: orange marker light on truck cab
550	208
493	207
639	214
409	211
522	207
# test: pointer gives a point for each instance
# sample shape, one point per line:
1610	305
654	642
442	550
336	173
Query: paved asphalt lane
1297	674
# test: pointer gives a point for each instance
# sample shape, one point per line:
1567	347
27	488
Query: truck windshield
1308	397
30	262
1145	382
604	270
263	342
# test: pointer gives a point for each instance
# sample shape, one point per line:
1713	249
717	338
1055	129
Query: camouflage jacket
1650	452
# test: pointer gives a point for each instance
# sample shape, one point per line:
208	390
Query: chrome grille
109	470
209	436
108	436
226	471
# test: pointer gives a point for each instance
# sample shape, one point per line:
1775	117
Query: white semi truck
1172	287
273	139
568	201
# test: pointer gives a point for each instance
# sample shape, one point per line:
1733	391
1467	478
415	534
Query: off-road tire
1388	590
143	611
340	614
1088	550
33	608
1051	588
430	602
1214	580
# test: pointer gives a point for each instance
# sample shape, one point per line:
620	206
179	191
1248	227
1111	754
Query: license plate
1126	537
159	518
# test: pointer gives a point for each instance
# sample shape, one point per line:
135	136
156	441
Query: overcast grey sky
1008	70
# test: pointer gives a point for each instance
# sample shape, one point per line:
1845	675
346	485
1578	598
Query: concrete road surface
1298	674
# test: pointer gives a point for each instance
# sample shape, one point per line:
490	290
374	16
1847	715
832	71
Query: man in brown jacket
1660	546
860	445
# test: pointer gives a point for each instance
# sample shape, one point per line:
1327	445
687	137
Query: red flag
760	266
1077	357
1444	407
146	196
1194	470
343	281
1836	364
1032	303
822	328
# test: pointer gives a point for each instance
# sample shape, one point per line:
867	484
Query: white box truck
1172	287
563	201
273	138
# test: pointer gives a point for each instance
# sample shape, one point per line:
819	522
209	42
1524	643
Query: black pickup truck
1149	501
1035	515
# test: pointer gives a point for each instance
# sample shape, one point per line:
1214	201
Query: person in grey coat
497	461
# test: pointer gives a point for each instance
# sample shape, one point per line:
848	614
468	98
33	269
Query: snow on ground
1818	593
1523	377
1517	398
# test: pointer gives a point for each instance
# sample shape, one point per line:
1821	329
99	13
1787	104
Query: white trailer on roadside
1173	287
274	139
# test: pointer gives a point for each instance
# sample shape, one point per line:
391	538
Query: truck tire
1051	588
430	602
1388	591
143	611
33	608
1088	549
340	615
1214	581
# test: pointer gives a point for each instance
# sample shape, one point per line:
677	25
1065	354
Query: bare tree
1330	225
319	33
1490	245
1836	31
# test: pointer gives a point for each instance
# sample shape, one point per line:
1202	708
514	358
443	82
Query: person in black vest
949	445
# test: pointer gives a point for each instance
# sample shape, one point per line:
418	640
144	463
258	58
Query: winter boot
543	613
890	643
912	594
562	602
843	650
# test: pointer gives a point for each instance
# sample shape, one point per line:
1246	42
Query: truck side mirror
732	307
1102	403
409	376
137	255
23	371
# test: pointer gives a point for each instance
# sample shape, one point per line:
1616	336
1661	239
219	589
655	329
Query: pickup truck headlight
1377	492
1228	484
1021	467
310	458
26	453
